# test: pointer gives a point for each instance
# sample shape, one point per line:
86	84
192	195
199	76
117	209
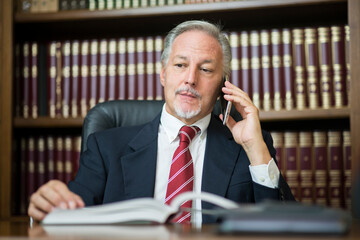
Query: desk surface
22	230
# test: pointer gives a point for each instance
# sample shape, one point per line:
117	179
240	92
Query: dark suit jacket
120	164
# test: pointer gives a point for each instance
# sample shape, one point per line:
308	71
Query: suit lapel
139	166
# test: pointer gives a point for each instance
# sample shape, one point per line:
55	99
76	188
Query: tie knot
187	133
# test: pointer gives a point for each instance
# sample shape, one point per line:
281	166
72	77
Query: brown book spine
93	72
140	68
30	167
339	65
150	69
336	164
291	162
299	64
277	67
347	168
255	66
312	67
234	40
267	80
325	66
347	58
306	167
58	91
59	156
121	68
321	168
50	157
131	69
26	79
76	154
18	84
103	65
75	83
52	75
84	65
23	180
66	49
278	138
68	162
41	173
158	49
245	63
288	70
112	70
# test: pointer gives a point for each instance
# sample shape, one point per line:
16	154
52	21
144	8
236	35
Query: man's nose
191	78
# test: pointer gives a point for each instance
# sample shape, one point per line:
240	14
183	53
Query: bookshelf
84	24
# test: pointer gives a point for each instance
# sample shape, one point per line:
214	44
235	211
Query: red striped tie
181	177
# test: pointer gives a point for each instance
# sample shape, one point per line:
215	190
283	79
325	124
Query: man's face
193	75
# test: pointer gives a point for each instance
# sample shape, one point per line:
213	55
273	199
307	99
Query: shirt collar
172	125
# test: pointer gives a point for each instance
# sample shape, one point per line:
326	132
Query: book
93	72
321	167
141	210
306	166
84	66
150	69
287	62
103	68
121	68
140	68
26	80
234	41
112	70
267	81
131	68
292	162
277	67
245	63
68	162
66	49
75	84
255	66
158	49
347	168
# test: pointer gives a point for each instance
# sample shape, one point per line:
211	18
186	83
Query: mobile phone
225	105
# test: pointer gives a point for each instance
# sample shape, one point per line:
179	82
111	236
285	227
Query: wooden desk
162	232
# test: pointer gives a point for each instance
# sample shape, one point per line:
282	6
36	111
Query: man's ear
162	76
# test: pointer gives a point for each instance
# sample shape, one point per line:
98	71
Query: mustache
188	89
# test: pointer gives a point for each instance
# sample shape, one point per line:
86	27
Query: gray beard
187	114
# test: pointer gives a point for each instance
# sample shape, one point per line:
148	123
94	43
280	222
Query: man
133	162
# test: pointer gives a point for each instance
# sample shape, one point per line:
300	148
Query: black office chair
120	113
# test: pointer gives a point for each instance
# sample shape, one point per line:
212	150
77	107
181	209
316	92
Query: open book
139	210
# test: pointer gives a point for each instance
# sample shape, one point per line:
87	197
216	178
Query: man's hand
51	195
248	131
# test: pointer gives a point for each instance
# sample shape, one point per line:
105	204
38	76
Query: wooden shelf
167	10
47	122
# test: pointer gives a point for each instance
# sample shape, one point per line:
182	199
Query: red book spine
75	83
52	79
312	67
76	154
277	67
299	64
23	176
255	66
131	69
68	162
291	162
336	164
18	84
66	79
347	168
84	65
278	138
59	156
321	168
93	72
122	68
306	167
41	173
140	68
235	62
112	70
325	66
150	69
26	79
30	166
34	81
245	63
288	70
59	87
339	65
266	68
158	49
103	65
50	154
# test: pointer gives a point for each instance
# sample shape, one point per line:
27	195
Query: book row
316	165
300	68
38	6
43	158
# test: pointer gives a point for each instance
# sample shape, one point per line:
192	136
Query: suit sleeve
90	179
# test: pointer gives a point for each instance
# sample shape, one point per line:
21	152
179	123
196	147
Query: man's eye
179	65
205	70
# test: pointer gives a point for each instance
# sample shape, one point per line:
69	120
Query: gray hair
209	28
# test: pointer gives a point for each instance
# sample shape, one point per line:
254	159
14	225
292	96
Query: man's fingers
41	203
35	213
68	198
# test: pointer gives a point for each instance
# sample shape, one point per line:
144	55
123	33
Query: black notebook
286	218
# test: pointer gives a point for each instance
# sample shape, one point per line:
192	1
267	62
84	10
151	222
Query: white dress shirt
168	141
